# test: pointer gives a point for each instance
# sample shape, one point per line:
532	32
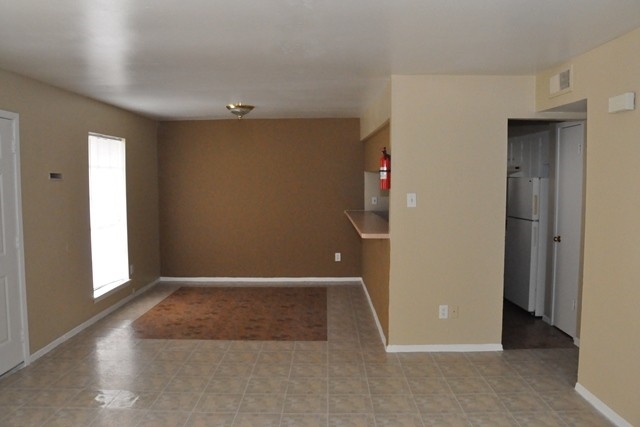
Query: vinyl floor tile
106	377
445	420
72	417
210	420
309	385
538	419
304	420
168	401
267	385
118	418
305	403
28	417
398	420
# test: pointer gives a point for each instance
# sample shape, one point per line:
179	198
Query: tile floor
105	377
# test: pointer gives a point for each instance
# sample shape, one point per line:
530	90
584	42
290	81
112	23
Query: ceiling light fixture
239	109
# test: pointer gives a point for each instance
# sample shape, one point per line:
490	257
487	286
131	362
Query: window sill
105	291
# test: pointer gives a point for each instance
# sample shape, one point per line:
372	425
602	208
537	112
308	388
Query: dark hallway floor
521	330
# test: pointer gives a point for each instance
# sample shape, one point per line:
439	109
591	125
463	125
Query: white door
12	347
568	226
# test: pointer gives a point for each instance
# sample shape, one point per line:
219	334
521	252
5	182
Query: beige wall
54	126
260	198
373	146
449	137
375	274
610	329
377	115
375	252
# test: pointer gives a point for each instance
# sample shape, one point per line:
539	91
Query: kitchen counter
370	224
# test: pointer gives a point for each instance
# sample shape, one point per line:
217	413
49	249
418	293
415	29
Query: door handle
557	239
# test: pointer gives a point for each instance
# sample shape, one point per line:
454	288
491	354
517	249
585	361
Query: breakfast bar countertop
370	224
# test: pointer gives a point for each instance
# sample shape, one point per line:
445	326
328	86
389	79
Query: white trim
601	407
375	314
437	348
576	341
547	319
261	280
22	285
46	349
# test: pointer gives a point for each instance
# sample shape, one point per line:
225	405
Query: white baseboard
546	319
375	314
576	341
46	349
203	281
601	407
438	348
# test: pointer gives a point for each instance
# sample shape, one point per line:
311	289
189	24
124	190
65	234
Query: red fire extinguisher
385	170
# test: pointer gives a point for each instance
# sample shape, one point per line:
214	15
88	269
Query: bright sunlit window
108	210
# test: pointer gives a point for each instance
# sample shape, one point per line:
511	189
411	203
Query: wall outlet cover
443	312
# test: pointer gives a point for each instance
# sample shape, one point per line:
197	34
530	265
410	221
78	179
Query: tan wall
54	127
377	115
373	148
375	274
449	137
375	253
610	328
259	198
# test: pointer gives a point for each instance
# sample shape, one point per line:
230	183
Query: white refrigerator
526	243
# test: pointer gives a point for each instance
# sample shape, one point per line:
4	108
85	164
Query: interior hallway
105	377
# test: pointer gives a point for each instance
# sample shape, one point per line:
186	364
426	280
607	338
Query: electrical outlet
453	311
337	257
374	200
443	312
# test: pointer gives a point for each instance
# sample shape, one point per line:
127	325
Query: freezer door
521	256
523	198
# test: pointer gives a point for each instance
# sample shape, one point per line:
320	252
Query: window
108	212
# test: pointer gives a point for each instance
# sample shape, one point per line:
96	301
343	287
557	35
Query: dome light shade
239	109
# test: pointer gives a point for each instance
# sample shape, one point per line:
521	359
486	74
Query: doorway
539	150
13	320
568	232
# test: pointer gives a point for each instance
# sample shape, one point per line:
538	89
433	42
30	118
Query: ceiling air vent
560	83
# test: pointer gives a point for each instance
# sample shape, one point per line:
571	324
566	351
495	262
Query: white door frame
22	287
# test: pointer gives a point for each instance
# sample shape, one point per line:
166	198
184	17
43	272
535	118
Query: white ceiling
171	59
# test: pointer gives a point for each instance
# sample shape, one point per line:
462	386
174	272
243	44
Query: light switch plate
411	200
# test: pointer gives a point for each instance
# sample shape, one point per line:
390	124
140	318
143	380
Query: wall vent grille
561	83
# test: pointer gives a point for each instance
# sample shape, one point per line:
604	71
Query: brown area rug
238	313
